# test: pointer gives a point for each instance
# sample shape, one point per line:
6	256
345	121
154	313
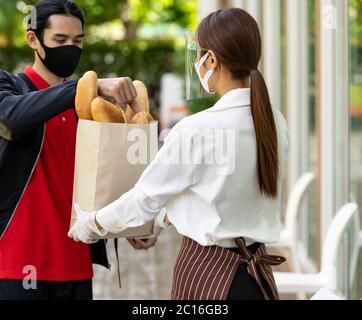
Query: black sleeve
21	113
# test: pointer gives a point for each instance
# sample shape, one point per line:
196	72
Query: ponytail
266	136
234	36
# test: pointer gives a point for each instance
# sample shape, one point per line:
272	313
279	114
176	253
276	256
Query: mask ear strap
39	55
208	75
41	43
203	59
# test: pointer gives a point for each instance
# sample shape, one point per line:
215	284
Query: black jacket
23	113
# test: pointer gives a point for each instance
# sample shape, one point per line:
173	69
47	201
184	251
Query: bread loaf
87	91
105	111
130	113
141	100
142	96
91	107
142	118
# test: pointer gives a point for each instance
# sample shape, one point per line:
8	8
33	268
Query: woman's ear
212	62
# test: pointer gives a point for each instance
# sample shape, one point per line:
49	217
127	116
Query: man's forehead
65	25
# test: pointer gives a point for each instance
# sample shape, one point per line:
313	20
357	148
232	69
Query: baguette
87	91
105	111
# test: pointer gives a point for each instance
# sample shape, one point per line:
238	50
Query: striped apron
207	272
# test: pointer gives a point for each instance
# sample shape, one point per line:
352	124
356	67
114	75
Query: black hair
46	8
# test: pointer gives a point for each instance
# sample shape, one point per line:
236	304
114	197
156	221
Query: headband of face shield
197	87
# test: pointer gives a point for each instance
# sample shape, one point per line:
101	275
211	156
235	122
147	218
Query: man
37	150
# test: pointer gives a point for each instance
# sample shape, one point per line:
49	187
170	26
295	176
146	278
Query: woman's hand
146	242
142	244
121	89
161	222
166	221
85	228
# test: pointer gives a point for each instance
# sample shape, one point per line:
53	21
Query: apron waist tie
259	267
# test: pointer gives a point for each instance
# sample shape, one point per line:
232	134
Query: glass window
311	200
355	14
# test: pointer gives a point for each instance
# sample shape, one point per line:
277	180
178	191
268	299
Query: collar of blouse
234	98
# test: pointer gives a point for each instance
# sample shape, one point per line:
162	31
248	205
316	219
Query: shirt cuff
103	232
160	219
110	222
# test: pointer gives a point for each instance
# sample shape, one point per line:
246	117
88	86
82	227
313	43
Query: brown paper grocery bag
110	158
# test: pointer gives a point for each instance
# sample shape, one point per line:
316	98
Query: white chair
325	294
292	282
289	234
353	199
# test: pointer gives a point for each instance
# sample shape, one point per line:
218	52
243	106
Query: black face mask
62	61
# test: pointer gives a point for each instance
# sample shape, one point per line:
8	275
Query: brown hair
234	36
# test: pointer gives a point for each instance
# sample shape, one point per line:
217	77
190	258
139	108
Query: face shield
193	86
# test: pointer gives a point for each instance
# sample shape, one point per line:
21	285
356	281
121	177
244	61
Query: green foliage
198	105
11	22
100	11
131	14
356	95
145	60
356	22
180	12
141	59
97	11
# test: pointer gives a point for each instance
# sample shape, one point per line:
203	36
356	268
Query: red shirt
37	234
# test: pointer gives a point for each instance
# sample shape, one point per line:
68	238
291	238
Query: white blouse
205	176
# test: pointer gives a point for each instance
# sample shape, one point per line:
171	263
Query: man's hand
121	89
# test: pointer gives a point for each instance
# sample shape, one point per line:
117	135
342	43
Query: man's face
62	31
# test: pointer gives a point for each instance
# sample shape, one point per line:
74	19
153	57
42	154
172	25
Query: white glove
85	228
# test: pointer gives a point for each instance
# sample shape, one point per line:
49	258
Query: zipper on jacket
27	183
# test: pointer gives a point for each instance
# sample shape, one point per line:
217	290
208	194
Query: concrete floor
145	275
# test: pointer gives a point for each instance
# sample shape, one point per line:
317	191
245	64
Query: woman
226	210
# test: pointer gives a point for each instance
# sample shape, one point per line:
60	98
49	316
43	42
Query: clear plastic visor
193	87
